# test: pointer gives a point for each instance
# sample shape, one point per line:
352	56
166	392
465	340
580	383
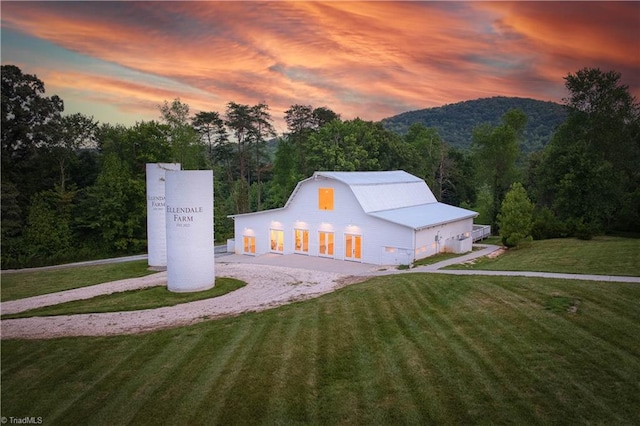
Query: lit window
325	198
390	249
302	241
249	244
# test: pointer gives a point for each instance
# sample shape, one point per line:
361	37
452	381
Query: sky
118	61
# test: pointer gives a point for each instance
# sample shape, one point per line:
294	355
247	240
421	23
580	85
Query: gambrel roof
395	196
378	191
398	197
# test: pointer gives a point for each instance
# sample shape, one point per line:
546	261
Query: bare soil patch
496	253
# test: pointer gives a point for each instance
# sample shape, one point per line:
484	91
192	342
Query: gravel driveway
271	281
267	286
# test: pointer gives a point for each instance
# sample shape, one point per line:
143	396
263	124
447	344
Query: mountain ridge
455	122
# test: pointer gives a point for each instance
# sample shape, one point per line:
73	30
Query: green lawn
600	256
435	259
19	285
147	298
405	349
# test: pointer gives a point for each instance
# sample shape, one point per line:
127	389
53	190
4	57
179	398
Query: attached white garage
372	217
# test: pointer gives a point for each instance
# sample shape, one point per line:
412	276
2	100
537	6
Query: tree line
73	188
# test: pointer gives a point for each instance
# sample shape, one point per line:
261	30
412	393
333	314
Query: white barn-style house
384	218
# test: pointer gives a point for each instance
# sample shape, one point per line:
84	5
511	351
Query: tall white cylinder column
156	225
189	220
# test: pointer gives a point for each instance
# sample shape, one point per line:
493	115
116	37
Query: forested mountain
455	122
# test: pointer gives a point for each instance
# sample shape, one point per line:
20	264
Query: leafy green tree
286	172
457	180
484	204
29	120
251	126
430	159
145	142
323	116
516	216
262	129
187	147
240	195
213	132
495	150
239	120
344	146
588	174
75	131
299	118
302	122
48	234
115	207
12	221
224	204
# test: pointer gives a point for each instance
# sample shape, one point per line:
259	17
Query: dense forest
74	189
455	122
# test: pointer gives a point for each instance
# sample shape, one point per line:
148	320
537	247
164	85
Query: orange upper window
325	198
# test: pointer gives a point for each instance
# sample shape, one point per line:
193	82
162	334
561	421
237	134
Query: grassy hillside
455	122
410	349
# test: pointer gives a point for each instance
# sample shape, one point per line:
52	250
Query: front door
277	240
301	241
249	244
352	247
325	243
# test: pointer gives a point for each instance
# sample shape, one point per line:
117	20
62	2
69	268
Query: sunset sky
117	61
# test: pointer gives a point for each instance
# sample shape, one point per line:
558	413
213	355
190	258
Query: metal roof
371	178
394	196
376	191
425	215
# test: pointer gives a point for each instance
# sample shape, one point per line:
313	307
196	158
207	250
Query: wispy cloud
371	59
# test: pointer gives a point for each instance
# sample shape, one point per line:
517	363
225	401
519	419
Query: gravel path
21	305
267	287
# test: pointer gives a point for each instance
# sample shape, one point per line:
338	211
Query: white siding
347	218
388	236
427	244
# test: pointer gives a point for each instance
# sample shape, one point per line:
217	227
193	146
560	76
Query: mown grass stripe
418	376
186	391
182	382
77	375
482	372
451	366
293	379
553	332
376	382
424	358
338	396
229	398
135	380
255	384
393	344
84	388
507	350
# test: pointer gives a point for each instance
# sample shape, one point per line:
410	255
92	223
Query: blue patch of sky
497	63
27	51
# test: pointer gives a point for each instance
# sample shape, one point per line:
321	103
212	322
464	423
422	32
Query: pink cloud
371	59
